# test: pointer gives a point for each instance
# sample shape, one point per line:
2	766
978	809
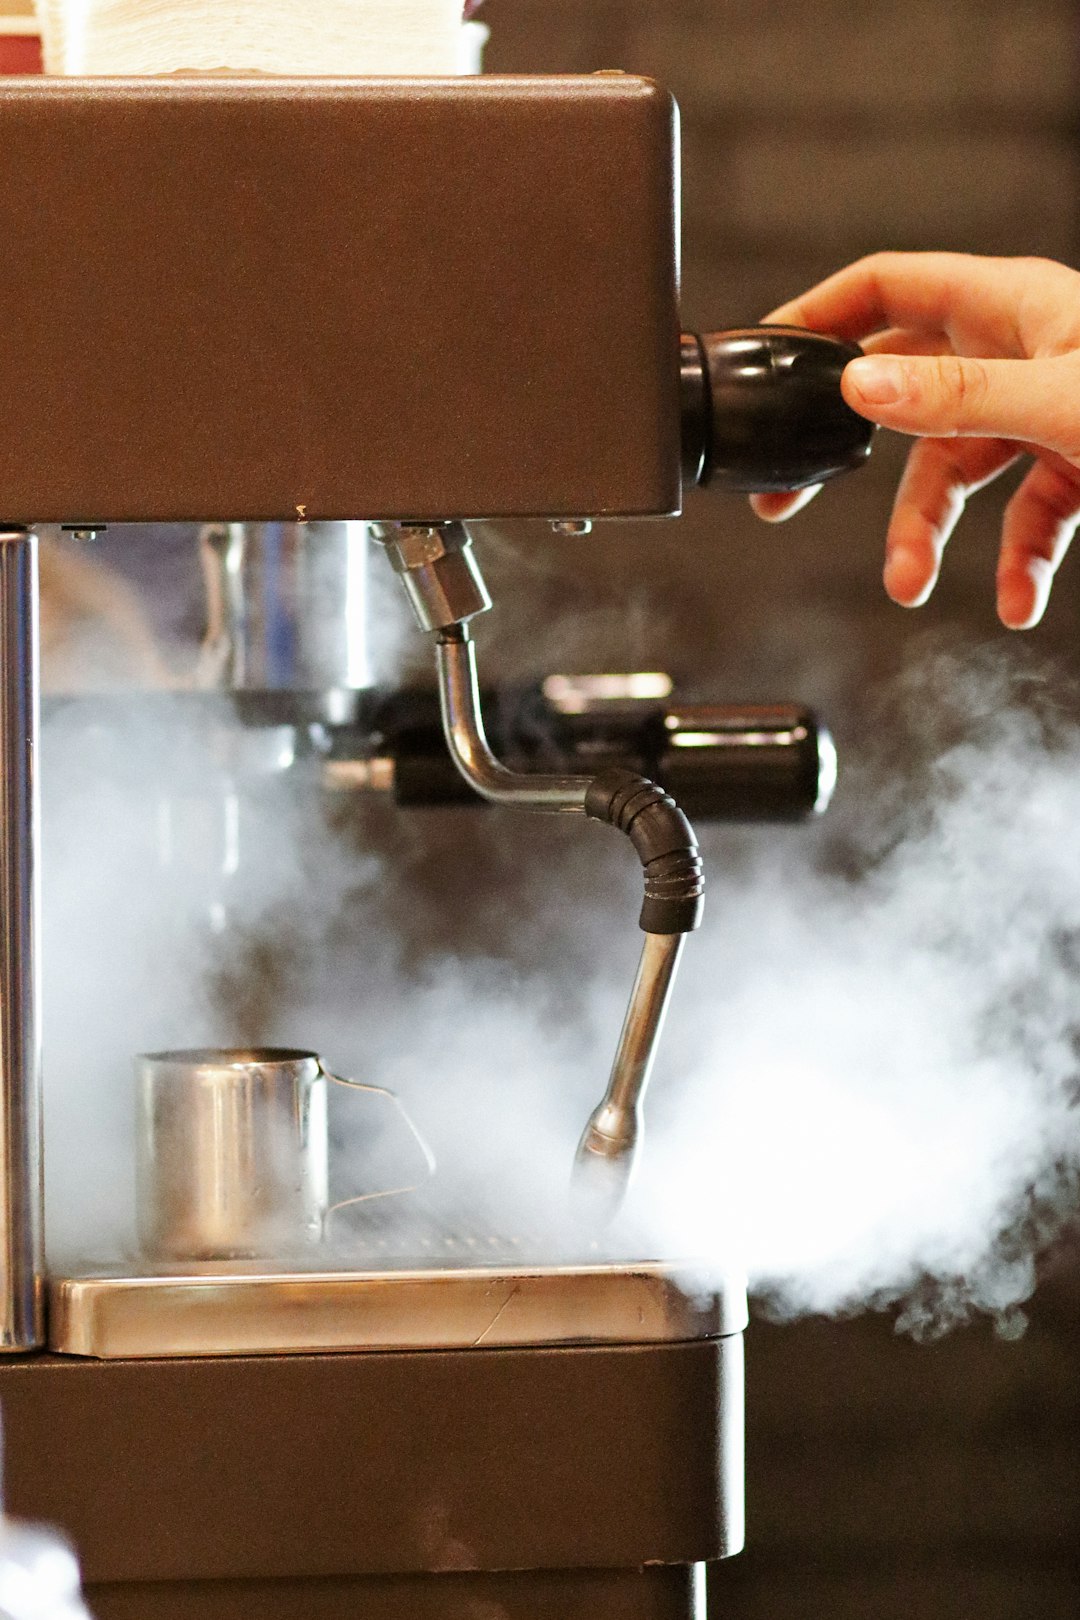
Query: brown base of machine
333	1484
600	1594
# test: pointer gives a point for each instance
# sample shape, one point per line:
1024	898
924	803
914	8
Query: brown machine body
647	1594
419	300
278	299
388	1485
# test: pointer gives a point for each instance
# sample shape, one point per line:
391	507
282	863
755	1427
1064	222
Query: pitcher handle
425	1152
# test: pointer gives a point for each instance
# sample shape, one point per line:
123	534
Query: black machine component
762	410
770	763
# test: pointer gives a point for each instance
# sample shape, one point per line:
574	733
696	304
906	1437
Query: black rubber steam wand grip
658	829
666	847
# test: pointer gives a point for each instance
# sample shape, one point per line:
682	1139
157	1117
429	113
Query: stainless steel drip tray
238	1310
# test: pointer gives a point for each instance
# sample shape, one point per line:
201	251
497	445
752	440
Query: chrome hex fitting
439	571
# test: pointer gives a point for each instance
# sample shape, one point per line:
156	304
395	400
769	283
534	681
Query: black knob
762	410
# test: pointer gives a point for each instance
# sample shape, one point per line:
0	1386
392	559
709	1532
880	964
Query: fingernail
879	381
906	577
1023	594
778	508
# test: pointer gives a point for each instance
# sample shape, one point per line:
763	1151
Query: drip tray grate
238	1309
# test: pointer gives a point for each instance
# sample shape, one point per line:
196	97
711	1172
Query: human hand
980	359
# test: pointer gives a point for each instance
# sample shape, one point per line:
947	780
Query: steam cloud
868	1092
879	1068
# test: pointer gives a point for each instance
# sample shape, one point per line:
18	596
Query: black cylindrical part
768	764
773	415
721	762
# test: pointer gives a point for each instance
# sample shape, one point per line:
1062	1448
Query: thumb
938	396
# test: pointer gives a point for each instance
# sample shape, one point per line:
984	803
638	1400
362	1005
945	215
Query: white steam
868	1091
878	1065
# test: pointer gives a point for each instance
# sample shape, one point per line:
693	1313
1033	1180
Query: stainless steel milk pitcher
232	1157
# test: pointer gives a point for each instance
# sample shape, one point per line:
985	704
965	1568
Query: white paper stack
332	37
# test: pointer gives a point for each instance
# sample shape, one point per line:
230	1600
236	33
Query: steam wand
444	584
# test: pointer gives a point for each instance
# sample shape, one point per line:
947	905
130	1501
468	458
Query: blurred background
887	1480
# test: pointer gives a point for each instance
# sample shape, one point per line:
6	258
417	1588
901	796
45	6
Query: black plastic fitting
665	843
762	410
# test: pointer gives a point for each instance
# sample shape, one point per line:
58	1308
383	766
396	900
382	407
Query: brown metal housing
308	1467
344	1484
271	299
594	1594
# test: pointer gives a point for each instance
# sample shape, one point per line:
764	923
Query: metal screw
81	532
572	528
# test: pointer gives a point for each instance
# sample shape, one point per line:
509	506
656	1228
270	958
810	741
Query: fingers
979	358
945	395
939	478
1000	305
1040	521
941	475
778	507
904	340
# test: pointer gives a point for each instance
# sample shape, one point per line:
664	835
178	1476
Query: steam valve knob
762	410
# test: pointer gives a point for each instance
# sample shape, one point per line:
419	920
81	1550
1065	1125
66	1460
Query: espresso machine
332	325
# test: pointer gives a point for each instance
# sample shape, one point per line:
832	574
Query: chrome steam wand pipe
607	1151
604	1164
21	1218
438	568
463	725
